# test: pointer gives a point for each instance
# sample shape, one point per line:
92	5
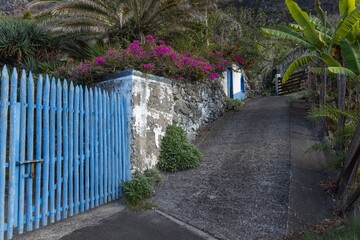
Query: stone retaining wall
155	102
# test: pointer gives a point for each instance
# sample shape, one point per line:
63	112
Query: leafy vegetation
233	104
22	39
177	153
140	188
326	44
329	51
105	19
154	57
351	231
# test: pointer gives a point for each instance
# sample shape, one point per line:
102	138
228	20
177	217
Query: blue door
229	75
242	83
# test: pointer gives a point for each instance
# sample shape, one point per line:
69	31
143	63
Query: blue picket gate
63	150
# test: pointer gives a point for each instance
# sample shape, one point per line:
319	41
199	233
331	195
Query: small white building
234	83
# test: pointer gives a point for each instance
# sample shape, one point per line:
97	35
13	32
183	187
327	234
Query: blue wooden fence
63	150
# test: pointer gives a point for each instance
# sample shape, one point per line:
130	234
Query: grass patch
233	104
291	101
349	231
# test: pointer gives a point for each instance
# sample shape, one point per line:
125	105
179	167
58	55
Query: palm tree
105	19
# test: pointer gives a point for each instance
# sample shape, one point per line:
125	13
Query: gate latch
32	162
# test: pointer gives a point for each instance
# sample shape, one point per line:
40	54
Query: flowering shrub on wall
153	57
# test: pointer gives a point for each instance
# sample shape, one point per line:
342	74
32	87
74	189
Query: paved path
255	182
241	188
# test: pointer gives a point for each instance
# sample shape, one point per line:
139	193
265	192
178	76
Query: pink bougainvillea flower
83	68
239	59
158	58
173	55
112	53
135	45
186	54
214	76
150	37
218	53
100	61
148	66
161	50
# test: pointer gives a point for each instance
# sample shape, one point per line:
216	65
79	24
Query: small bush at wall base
177	153
137	189
154	177
140	188
233	104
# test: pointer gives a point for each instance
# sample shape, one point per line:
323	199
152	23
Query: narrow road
255	182
241	189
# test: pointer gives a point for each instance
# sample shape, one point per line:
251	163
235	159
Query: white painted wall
238	92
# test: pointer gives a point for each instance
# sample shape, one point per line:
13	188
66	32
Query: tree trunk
323	103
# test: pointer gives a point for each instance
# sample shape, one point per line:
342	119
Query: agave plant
20	39
336	48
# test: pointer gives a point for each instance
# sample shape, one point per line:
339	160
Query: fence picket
22	152
81	148
105	150
38	151
87	149
92	149
116	146
71	150
65	205
52	149
112	146
13	153
109	150
4	98
76	151
30	152
101	139
126	141
119	131
46	152
59	112
96	139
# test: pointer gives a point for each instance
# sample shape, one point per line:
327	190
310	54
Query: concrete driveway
245	187
256	181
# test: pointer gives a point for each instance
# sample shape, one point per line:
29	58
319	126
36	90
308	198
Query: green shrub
154	177
141	187
177	153
137	189
233	104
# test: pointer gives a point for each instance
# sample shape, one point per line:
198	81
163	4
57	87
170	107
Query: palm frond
329	60
321	12
351	55
302	18
342	70
296	64
318	70
346	26
288	34
346	7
